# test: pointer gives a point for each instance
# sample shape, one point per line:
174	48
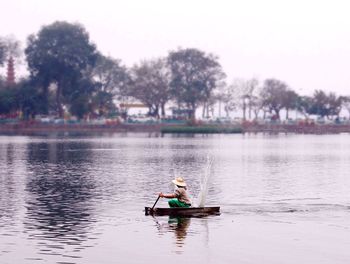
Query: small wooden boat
184	211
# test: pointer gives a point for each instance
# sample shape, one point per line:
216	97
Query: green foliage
67	72
80	106
8	100
112	76
23	96
112	80
60	53
2	83
303	104
325	105
80	99
102	103
30	100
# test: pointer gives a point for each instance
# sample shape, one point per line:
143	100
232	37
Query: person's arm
167	195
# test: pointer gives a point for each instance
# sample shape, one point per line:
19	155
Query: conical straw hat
179	182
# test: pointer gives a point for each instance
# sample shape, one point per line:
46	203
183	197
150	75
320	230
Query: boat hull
180	211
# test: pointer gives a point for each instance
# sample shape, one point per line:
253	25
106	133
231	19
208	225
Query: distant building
10	78
133	108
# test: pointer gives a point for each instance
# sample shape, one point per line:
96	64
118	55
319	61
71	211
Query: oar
155	203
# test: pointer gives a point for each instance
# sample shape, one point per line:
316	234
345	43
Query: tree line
68	74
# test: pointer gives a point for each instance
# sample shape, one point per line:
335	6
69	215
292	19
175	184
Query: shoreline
24	128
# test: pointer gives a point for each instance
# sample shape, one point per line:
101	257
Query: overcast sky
304	43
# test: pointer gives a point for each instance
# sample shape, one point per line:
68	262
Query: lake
80	199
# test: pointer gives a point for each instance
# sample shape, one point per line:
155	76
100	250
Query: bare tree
257	105
243	90
218	96
150	85
208	105
228	98
251	87
346	103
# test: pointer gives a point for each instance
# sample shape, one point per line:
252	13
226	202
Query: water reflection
59	152
178	226
7	194
60	196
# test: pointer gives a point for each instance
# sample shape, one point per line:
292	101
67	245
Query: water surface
80	199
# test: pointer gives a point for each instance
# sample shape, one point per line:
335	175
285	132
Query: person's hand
161	195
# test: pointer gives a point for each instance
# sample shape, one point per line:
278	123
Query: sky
303	43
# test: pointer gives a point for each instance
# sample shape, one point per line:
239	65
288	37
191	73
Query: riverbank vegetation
201	130
70	78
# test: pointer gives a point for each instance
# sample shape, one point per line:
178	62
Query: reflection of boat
179	225
176	225
183	211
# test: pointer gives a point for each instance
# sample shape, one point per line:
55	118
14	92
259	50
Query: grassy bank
201	130
40	128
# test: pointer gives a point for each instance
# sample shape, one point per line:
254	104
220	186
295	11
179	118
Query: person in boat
180	197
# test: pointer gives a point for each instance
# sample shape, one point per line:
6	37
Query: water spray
204	183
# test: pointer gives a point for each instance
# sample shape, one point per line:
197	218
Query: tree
290	101
59	54
303	105
325	105
334	105
273	95
346	103
194	77
209	105
30	100
256	104
150	85
81	101
112	80
319	104
2	82
10	50
8	100
23	96
224	95
9	47
243	90
215	97
2	51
